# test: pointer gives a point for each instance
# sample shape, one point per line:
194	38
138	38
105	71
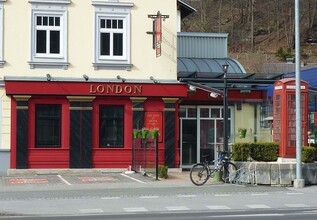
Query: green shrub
162	171
309	154
266	151
241	151
313	145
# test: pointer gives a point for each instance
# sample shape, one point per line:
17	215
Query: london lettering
115	89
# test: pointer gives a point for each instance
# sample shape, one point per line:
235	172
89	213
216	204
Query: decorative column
170	132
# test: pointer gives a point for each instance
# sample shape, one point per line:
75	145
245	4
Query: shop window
48	125
266	116
49	34
112	35
111	121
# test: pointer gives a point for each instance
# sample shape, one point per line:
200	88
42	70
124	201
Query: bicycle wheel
232	172
199	174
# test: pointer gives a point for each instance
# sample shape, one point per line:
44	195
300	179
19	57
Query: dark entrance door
80	135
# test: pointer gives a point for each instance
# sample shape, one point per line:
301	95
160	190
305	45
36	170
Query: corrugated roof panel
212	66
202	45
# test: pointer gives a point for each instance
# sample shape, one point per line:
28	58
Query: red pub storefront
86	124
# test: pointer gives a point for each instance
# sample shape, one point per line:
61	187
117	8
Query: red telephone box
284	116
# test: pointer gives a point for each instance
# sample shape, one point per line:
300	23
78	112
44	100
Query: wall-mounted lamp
192	88
122	79
153	79
245	91
86	77
213	95
48	77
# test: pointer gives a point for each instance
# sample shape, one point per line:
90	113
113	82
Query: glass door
207	139
201	133
188	142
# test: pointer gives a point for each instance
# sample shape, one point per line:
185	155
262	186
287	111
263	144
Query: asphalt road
120	196
306	214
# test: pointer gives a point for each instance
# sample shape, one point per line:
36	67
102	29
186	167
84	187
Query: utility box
284	116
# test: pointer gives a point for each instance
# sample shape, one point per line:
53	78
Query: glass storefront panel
207	139
189	142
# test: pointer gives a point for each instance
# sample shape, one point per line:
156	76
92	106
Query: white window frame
119	11
1	34
49	8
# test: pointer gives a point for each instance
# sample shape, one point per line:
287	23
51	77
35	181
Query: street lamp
225	107
225	67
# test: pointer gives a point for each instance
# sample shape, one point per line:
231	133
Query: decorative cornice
22	97
50	1
170	100
138	99
111	3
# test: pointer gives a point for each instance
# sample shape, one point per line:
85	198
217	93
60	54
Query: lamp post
225	115
225	108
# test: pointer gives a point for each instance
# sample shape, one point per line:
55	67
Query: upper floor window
112	35
1	33
49	34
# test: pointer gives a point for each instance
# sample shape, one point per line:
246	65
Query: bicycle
201	172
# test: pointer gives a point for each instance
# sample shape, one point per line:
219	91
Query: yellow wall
245	119
17	26
17	46
5	120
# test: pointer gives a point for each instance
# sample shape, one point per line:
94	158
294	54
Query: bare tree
219	16
252	24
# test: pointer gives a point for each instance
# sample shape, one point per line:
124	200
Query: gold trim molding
22	98
170	100
81	98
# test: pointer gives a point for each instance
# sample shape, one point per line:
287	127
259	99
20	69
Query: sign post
157	31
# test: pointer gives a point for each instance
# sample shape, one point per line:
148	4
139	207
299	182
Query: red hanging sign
157	31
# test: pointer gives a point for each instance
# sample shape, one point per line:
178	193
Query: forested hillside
258	29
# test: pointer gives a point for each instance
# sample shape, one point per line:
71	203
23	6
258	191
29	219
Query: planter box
277	173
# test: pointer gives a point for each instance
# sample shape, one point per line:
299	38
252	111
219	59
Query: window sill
104	66
54	65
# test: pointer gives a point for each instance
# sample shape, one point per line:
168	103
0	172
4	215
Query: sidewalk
94	179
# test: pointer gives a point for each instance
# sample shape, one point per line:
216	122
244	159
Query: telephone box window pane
55	42
48	126
40	41
105	44
111	126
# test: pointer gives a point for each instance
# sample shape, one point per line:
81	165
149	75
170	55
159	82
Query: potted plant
242	132
154	133
144	132
136	133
